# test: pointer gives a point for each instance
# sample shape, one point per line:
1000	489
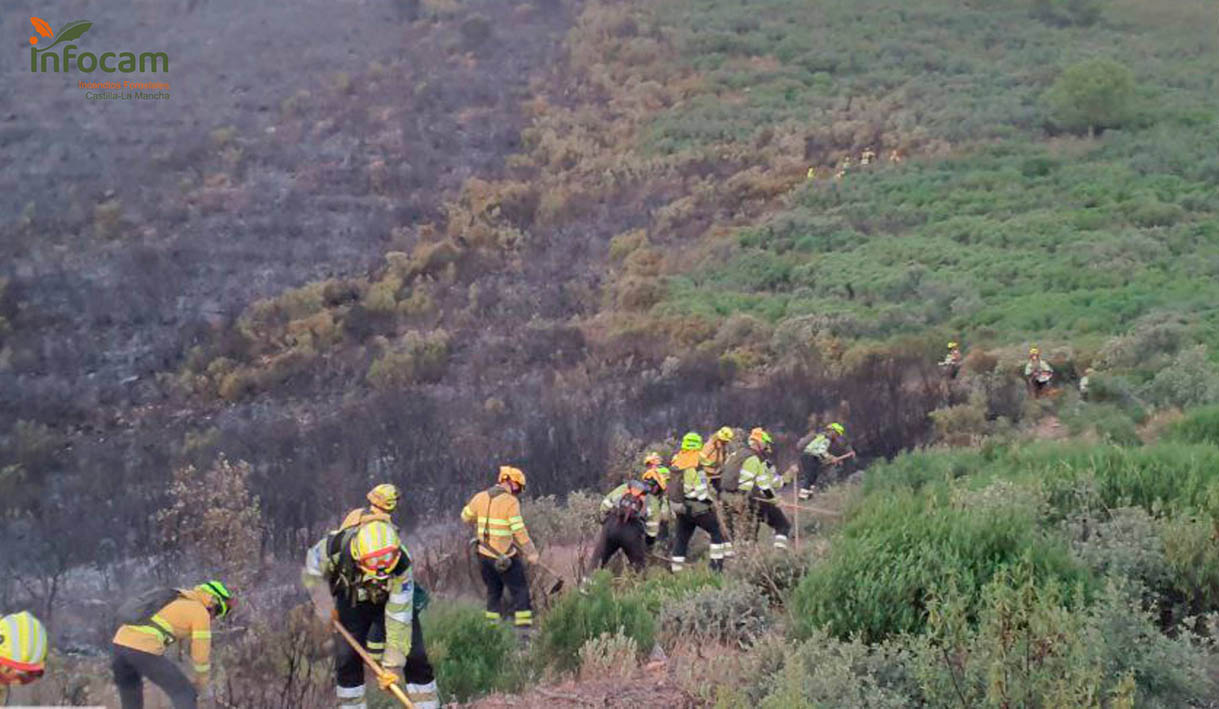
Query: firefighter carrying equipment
626	523
496	516
368	598
384	497
655	509
23	645
188	615
761	482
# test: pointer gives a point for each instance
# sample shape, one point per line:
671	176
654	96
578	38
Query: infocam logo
45	59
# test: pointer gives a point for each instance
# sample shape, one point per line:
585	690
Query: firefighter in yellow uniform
692	500
502	539
23	651
370	579
382	499
156	619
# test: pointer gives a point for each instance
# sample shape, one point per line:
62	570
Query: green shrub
1109	421
580	617
1191	380
1092	94
1199	426
1124	542
415	358
733	615
1193	565
900	547
771	573
826	671
659	589
470	656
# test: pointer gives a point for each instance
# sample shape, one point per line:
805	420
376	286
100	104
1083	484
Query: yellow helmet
725	434
953	345
691	442
376	547
759	435
659	474
837	428
384	497
508	473
1034	351
23	642
652	458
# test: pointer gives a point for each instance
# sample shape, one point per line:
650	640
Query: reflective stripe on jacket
181	619
496	515
760	475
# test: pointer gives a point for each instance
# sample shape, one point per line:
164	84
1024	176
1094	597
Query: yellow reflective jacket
180	619
330	560
363	515
496	516
713	457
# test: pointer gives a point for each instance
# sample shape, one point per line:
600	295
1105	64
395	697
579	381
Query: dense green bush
1095	93
470	656
1199	426
900	547
580	617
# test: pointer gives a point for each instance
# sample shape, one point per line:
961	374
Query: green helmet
691	442
222	594
837	428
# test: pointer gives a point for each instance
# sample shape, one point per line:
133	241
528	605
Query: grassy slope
991	229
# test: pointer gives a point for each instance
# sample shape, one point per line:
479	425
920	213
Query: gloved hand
421	598
679	508
386	679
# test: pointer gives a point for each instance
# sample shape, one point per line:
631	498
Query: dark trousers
360	620
628	536
761	508
810	469
707	521
513	579
131	667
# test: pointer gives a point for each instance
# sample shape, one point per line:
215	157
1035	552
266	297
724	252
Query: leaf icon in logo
71	31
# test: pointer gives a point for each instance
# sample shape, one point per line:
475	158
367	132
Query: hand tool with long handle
376	666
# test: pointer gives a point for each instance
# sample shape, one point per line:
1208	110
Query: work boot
806	493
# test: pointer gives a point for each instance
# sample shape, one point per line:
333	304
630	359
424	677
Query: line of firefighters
360	576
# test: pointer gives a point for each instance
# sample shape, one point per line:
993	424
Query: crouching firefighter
691	499
624	518
501	538
156	619
372	593
760	483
